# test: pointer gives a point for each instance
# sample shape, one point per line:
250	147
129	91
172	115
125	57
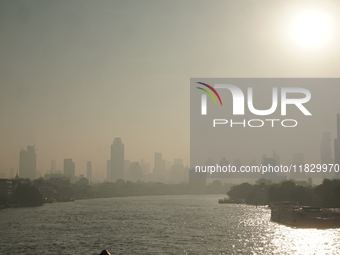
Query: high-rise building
276	157
145	167
134	173
298	159
177	171
89	170
269	162
117	160
337	145
325	149
223	162
5	187
69	167
298	162
127	163
28	163
108	170
53	166
159	167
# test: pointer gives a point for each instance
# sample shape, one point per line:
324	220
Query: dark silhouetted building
270	163
117	160
325	148
127	163
298	162
223	162
53	166
276	157
69	167
337	145
159	167
178	174
89	170
28	163
108	170
134	172
298	159
5	187
145	167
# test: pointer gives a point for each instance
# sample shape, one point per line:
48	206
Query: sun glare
311	29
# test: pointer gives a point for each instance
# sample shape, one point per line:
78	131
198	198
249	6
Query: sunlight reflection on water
153	225
306	241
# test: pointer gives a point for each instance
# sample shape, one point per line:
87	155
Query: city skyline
74	76
69	168
169	127
123	168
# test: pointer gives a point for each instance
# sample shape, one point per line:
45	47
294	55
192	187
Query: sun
311	29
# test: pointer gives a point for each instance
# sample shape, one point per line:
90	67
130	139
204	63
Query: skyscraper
53	166
276	157
298	161
269	162
325	149
177	171
117	160
28	163
145	167
108	170
134	172
69	167
159	167
127	163
337	145
89	171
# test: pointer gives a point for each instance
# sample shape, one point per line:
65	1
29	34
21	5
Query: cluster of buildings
164	171
298	168
118	168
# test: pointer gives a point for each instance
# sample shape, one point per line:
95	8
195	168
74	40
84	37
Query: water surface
156	225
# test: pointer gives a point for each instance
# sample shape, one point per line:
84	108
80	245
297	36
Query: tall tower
28	163
337	145
276	157
89	171
159	167
69	167
53	166
298	160
108	170
325	149
117	160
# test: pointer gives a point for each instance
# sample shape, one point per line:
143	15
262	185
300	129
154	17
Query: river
156	225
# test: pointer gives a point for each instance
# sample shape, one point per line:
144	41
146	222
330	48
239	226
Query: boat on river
230	201
292	214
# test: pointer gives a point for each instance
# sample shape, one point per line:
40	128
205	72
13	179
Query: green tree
241	191
27	195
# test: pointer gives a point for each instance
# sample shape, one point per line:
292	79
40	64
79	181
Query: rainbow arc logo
209	93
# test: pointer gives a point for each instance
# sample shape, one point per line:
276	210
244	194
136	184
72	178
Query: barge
291	214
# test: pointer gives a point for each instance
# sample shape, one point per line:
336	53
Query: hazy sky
76	74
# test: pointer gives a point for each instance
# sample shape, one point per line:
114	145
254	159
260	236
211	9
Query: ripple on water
154	225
